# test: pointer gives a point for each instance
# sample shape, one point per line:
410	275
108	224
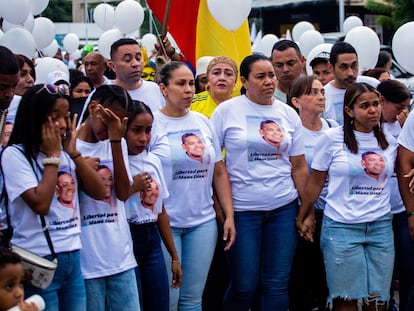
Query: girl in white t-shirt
146	214
356	238
32	164
107	259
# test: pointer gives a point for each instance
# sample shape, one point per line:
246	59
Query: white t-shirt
406	138
335	98
260	172
62	221
106	239
397	205
310	137
144	207
14	105
188	167
353	195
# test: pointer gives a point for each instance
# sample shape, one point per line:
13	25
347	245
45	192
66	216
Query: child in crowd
11	277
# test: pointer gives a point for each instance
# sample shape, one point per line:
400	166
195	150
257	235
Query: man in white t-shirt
127	62
344	61
288	63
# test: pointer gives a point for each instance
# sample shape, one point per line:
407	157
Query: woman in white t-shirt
307	287
267	168
396	98
192	164
33	165
356	238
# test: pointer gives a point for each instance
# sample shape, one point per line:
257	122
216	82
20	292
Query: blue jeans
114	292
195	247
261	258
67	290
359	258
151	273
404	254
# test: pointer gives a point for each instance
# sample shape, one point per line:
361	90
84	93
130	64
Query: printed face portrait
373	164
271	132
106	175
66	189
193	146
149	196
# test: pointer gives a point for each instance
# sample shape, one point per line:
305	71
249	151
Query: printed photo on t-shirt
101	211
190	155
368	172
144	206
266	139
64	211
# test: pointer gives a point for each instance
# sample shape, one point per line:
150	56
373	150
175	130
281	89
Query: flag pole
166	17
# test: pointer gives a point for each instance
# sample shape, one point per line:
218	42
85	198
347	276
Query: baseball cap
202	63
57	77
321	57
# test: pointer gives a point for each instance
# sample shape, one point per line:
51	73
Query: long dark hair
137	108
34	108
352	93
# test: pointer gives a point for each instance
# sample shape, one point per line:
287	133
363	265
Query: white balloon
43	32
51	49
46	65
38	6
324	47
19	41
76	55
367	45
308	40
257	44
105	41
71	42
28	24
230	13
402	45
266	44
300	28
14	11
129	16
148	41
104	15
352	22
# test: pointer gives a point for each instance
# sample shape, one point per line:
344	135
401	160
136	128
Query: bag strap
42	218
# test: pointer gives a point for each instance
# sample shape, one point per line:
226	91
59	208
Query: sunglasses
61	89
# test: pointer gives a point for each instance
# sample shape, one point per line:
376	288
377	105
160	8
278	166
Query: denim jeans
261	258
151	273
112	293
67	290
195	247
404	254
359	258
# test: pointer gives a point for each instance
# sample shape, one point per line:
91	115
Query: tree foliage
59	11
393	13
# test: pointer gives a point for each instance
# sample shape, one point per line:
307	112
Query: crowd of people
179	192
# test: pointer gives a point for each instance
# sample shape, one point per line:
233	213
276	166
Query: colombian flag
198	34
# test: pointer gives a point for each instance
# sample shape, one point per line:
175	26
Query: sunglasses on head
61	89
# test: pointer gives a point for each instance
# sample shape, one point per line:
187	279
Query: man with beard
127	62
288	63
344	61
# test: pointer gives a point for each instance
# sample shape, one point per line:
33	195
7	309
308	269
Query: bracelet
171	53
76	156
174	261
114	140
55	161
409	214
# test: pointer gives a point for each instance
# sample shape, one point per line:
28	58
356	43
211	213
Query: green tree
393	13
59	11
